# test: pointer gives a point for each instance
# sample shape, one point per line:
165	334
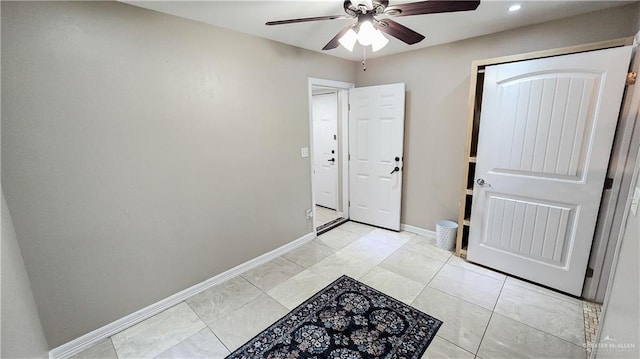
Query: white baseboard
417	230
77	345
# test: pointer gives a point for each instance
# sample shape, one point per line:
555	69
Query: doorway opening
328	116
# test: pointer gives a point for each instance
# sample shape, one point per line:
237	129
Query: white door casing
376	135
325	149
546	132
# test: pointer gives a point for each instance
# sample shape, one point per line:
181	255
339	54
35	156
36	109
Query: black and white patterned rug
345	320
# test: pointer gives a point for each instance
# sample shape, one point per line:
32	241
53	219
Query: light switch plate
304	152
634	201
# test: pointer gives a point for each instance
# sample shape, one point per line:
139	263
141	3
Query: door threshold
331	225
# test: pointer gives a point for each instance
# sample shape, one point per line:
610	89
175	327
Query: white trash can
446	234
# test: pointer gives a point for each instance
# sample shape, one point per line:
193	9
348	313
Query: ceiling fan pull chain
364	58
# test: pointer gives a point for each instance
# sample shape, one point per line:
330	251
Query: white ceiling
249	17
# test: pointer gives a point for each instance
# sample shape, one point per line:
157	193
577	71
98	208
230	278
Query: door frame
567	271
611	218
634	172
604	265
476	72
342	89
315	162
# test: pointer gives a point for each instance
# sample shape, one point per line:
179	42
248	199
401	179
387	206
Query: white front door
325	149
546	133
376	135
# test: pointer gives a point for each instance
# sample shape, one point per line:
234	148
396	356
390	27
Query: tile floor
485	314
325	215
592	312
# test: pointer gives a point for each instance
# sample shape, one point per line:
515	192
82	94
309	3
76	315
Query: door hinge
349	203
335	137
608	183
631	78
589	273
349	157
349	107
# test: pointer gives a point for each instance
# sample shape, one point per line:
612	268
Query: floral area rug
345	320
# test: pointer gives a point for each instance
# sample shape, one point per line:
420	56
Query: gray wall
143	153
622	315
437	80
22	335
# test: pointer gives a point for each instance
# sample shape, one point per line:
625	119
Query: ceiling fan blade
399	31
430	7
307	19
334	42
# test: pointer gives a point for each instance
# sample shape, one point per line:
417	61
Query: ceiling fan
367	30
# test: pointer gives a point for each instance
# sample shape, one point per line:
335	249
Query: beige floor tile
412	265
442	349
102	350
470	286
272	273
310	253
357	228
337	265
457	261
464	323
426	247
337	238
299	288
529	320
372	250
244	323
392	284
222	299
390	237
325	215
158	333
506	338
555	316
202	345
511	281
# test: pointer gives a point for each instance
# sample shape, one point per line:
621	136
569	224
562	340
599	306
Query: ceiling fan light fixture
348	40
366	33
379	41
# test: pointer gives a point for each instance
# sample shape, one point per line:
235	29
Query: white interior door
546	132
376	135
325	149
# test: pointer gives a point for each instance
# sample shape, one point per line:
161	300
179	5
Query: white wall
437	80
143	153
621	320
22	335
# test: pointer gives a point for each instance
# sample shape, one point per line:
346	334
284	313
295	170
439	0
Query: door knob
481	182
396	169
332	160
